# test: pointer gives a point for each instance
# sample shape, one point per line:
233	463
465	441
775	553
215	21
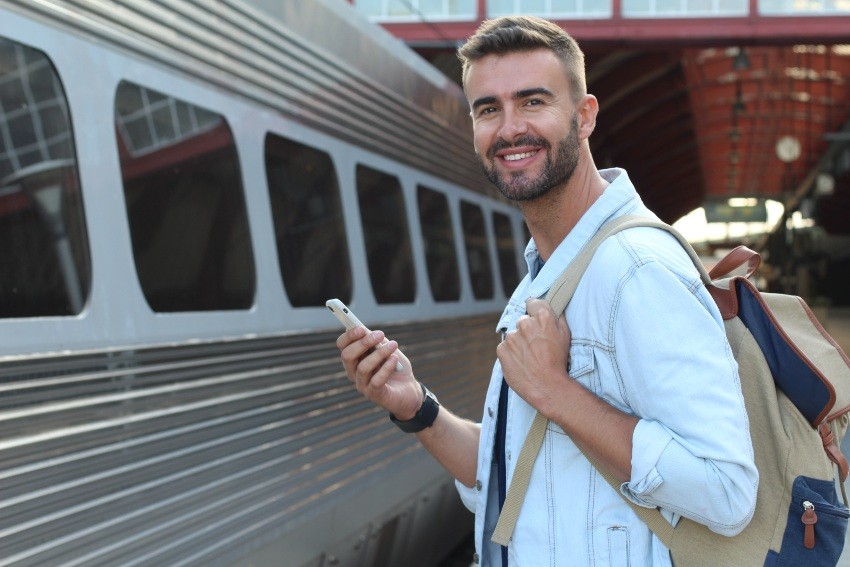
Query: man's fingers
536	306
385	368
350	336
357	348
375	358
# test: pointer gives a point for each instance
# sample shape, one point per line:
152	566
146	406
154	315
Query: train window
477	253
387	237
44	265
185	203
312	250
506	251
439	241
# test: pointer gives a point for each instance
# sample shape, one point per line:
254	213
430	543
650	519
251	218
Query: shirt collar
619	198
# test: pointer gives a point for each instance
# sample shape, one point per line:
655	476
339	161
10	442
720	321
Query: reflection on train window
185	203
477	253
312	250
44	263
439	242
506	251
387	237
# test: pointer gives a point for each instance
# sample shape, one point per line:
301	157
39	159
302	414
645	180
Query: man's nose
514	124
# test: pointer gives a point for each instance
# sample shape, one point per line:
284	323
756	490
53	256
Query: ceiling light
741	62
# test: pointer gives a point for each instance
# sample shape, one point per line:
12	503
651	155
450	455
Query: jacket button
478	485
490	412
475	558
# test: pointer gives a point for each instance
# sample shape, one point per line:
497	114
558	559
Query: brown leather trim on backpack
832	450
726	300
735	259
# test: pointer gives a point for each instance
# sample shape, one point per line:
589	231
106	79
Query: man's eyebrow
482	101
524	93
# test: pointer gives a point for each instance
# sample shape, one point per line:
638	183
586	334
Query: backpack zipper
809	520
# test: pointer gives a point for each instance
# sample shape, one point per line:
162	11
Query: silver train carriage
182	186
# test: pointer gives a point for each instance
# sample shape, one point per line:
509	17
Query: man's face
525	125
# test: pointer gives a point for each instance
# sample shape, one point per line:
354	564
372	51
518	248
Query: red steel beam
746	30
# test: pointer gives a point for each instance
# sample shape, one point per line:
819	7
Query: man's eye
533	102
485	110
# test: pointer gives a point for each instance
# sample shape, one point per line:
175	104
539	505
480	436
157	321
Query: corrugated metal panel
234	47
173	455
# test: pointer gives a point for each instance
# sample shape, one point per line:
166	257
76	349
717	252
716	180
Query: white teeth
514	157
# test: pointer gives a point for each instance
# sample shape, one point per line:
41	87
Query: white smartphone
343	313
349	319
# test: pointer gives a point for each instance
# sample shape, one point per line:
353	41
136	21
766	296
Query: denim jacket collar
619	198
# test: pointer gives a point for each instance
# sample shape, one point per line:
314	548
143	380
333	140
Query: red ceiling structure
691	127
694	108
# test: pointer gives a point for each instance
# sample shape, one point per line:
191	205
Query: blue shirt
648	339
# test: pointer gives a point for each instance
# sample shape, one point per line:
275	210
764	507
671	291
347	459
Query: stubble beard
557	169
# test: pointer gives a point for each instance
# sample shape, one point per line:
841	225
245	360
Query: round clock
788	148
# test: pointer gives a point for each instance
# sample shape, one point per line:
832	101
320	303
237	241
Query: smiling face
525	123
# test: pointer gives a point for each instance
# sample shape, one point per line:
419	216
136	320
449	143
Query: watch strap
424	418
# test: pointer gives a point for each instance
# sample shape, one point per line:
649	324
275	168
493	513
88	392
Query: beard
557	169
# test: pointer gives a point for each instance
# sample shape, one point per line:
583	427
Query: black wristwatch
424	417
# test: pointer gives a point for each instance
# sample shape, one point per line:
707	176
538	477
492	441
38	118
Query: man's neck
551	218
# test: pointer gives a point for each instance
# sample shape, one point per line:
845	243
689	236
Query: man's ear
588	108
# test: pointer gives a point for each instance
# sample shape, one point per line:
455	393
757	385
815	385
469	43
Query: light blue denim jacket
647	338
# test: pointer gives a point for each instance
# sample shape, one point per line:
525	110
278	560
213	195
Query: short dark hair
511	34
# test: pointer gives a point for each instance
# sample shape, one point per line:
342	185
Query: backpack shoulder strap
559	296
561	291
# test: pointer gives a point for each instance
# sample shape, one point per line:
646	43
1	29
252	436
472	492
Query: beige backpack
796	386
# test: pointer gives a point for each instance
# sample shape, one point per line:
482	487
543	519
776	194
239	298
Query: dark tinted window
439	241
506	251
386	234
44	259
185	203
312	250
477	254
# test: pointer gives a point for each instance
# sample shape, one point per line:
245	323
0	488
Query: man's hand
370	362
534	362
534	357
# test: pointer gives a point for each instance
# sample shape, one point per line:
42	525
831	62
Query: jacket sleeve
467	495
692	453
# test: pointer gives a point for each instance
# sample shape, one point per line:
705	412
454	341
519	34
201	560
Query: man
642	378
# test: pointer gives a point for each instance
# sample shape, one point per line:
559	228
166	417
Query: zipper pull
809	519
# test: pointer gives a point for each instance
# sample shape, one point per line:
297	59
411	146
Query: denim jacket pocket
581	365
